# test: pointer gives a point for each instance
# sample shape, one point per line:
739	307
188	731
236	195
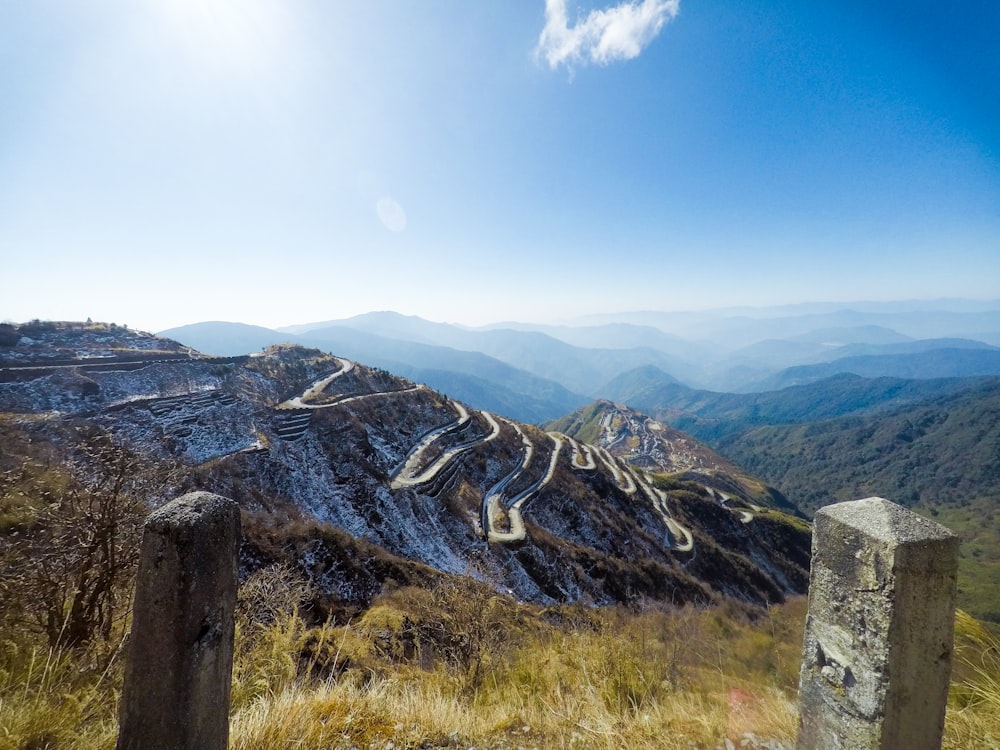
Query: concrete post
180	653
878	641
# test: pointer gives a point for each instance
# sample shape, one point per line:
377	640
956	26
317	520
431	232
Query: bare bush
462	623
67	560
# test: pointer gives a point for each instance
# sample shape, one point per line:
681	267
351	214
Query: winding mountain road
494	501
316	388
724	500
628	481
582	456
622	478
296	413
659	500
405	476
410	474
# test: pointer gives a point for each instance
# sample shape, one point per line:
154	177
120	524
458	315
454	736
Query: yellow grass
570	678
48	701
973	719
609	680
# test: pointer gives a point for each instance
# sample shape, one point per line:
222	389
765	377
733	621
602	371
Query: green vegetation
584	424
938	457
978	525
714	417
943	452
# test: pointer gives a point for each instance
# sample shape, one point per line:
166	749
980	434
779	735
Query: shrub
71	547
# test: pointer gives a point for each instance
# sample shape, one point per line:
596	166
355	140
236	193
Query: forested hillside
944	451
712	416
941	457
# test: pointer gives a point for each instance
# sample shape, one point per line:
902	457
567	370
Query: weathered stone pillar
878	642
180	653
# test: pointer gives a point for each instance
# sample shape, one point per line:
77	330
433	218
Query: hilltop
655	446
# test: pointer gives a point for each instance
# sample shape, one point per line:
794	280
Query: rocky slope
360	478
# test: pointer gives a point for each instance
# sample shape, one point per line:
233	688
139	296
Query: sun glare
226	37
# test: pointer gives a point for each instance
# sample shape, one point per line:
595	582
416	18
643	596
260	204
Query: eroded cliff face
358	477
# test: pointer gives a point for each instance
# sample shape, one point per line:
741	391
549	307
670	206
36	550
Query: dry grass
49	700
571	678
576	679
426	714
973	719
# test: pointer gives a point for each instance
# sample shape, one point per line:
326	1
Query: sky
164	162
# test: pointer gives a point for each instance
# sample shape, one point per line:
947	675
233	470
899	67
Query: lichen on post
878	642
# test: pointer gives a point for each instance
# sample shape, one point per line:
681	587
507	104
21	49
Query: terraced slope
357	476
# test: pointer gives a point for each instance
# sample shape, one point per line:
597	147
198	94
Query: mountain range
896	401
538	373
805	397
360	478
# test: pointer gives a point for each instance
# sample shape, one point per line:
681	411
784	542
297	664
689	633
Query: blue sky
278	161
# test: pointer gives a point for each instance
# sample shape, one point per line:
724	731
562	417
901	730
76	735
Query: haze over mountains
541	372
824	403
895	401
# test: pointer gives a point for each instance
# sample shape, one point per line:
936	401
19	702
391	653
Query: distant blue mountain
944	362
545	371
580	369
472	377
225	339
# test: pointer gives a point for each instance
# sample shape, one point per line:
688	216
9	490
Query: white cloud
604	36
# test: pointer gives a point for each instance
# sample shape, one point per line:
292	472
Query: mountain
942	450
221	338
642	441
740	327
610	336
470	376
737	351
387	324
865	335
359	478
946	362
578	369
911	346
930	444
816	346
712	415
482	380
939	456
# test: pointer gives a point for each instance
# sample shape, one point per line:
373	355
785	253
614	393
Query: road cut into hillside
405	475
622	478
681	537
493	497
316	388
408	473
725	500
516	531
582	456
